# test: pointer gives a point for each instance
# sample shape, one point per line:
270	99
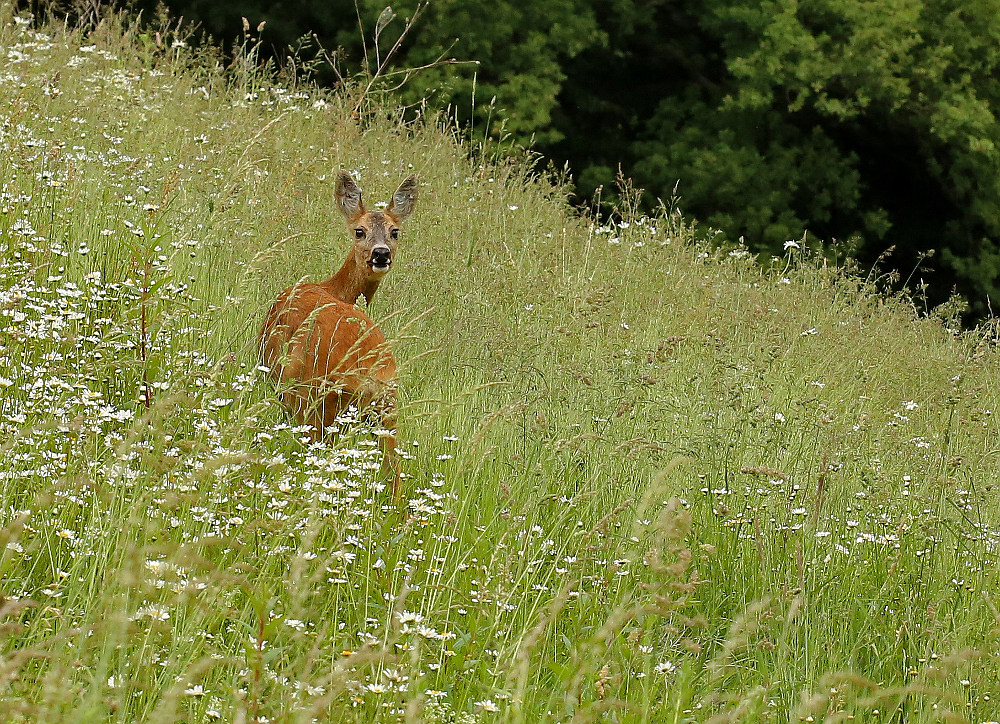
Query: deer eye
359	233
394	233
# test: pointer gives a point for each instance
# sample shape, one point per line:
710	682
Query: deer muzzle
381	259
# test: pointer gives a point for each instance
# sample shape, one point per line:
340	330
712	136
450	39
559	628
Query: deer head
375	234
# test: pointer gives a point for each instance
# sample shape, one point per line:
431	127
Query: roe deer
323	351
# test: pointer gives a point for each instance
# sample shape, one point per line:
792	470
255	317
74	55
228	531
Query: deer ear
404	199
349	196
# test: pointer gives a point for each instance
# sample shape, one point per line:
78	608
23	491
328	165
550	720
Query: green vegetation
649	481
871	124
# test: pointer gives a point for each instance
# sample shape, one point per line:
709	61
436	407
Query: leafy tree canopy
845	118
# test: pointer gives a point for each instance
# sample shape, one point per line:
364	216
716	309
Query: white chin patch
380	269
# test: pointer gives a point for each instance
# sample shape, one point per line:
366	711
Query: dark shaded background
870	124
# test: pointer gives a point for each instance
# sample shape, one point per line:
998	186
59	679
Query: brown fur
324	352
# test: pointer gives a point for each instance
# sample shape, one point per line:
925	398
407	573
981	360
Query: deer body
323	351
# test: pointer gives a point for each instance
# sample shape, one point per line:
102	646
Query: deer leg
391	462
378	401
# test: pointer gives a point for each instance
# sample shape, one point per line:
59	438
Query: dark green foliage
840	117
848	119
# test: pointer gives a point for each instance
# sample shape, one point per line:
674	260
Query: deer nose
381	256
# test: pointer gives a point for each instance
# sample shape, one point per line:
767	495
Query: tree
843	117
521	49
852	119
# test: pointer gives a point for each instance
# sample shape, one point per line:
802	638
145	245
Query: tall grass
648	480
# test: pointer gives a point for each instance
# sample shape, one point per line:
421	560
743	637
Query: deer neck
351	282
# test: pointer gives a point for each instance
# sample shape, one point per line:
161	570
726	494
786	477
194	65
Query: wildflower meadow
647	477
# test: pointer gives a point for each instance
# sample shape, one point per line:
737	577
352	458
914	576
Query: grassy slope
681	486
